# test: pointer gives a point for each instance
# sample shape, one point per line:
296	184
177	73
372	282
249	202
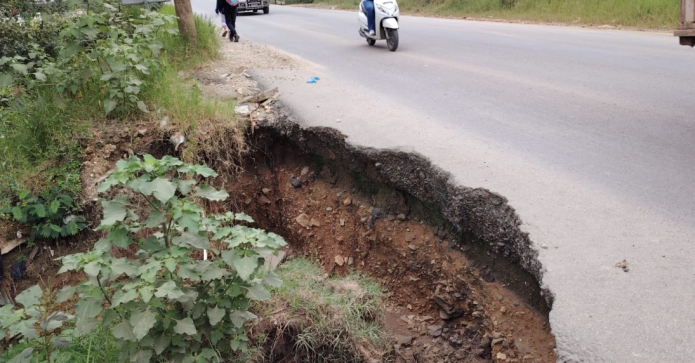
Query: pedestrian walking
230	9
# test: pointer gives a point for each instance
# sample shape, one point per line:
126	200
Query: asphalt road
589	133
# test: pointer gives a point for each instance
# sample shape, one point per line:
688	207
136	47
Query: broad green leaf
40	210
91	33
170	264
162	189
204	171
221	233
142	356
109	317
155	219
124	330
17	213
272	279
109	105
210	193
60	342
65	294
146	292
40	76
70	263
21	68
245	266
228	257
258	292
114	211
207	355
51	324
6	80
188	299
185	186
148	272
213	273
142	322
143	107
153	244
71	49
169	290
192	240
122	297
109	182
215	315
92	268
216	336
241	317
29	297
120	237
243	217
185	326
23	357
188	272
54	206
161	343
189	220
102	245
87	308
121	266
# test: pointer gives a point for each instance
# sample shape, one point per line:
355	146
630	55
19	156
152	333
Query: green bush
17	37
105	54
173	304
52	216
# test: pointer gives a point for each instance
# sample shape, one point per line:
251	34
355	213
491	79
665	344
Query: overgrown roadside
614	14
302	184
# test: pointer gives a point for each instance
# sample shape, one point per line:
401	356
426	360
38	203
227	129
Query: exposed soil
443	306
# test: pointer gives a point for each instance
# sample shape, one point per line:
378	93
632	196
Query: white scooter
386	23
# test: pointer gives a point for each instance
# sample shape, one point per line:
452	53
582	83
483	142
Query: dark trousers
230	14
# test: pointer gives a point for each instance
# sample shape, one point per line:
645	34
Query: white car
254	5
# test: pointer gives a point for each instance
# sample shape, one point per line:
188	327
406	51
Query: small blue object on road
313	80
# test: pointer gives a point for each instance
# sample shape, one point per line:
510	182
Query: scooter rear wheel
392	41
371	41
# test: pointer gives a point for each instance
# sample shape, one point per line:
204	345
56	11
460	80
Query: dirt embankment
462	278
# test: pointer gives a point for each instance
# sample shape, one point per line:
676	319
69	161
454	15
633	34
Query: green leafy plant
166	300
107	54
37	329
51	216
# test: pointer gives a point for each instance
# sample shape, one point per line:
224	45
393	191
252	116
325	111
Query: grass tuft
338	319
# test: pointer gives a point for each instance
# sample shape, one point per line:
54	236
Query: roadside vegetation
167	282
311	318
656	14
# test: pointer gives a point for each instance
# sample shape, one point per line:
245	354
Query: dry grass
312	319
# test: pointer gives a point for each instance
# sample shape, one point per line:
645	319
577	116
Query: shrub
165	300
49	217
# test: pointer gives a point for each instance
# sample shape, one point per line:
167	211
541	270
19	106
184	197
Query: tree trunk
186	20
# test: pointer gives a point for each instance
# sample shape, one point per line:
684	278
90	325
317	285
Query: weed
333	320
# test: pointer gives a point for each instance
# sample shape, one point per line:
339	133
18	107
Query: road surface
589	133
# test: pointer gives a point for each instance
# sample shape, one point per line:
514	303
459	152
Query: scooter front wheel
371	41
392	40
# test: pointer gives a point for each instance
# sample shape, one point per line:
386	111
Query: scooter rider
369	8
